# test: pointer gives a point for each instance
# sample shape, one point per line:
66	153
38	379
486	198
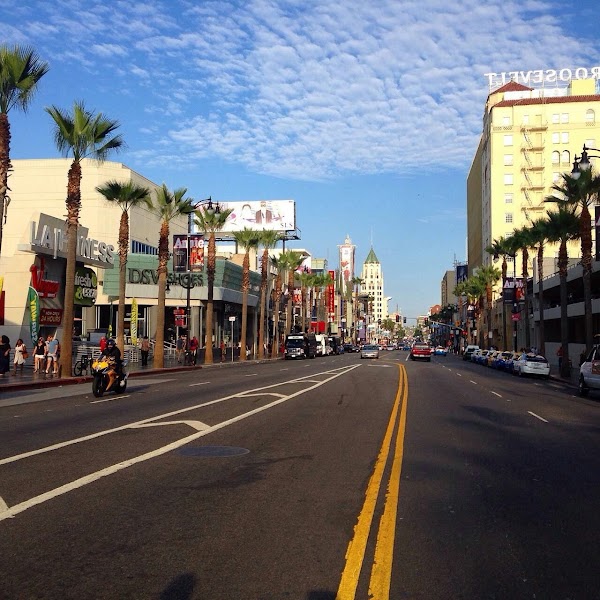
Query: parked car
531	364
491	357
369	351
509	363
482	357
420	351
475	355
589	372
500	362
469	351
440	351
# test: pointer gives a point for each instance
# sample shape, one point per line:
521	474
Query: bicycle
83	364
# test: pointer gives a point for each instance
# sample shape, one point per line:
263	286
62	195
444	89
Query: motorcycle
101	370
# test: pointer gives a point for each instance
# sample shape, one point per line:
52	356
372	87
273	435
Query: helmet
110	343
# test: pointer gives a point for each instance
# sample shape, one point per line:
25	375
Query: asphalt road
321	479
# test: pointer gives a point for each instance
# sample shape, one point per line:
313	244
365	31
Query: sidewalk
30	380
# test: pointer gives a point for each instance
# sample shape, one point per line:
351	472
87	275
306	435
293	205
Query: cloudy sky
367	114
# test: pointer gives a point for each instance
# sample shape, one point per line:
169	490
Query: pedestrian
559	353
194	350
39	355
51	355
222	350
20	355
145	350
179	348
4	355
102	344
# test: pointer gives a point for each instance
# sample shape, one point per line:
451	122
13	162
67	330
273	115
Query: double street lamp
582	163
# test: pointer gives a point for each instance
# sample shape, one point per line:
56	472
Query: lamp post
211	208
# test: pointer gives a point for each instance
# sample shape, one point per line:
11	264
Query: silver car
369	351
589	372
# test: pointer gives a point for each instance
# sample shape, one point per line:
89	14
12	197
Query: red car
420	350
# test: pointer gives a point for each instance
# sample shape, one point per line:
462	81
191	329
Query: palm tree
305	279
268	239
126	195
292	261
80	134
248	240
168	206
210	222
539	235
321	282
20	72
563	226
580	192
488	277
280	268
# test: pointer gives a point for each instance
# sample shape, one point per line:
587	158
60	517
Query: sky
366	114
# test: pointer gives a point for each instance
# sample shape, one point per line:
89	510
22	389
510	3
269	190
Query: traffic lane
487	495
28	425
272	523
27	476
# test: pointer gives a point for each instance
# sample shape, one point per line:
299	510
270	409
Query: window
590	143
508	198
590	116
555	137
508	218
556	118
564	137
525	119
505	121
566	157
555	157
508	160
555	177
564	117
508	179
141	248
508	140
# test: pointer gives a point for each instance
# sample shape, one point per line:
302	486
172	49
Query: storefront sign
331	294
86	287
46	288
51	316
33	302
49	236
150	277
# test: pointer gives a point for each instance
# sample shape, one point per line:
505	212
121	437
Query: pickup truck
420	351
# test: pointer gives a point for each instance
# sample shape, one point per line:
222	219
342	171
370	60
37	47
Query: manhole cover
212	451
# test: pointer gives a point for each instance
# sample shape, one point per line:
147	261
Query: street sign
231	319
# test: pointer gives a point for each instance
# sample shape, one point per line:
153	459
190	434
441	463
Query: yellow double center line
381	573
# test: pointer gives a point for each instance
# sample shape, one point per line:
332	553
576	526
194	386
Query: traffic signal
404	319
397	318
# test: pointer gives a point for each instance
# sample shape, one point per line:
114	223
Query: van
300	345
469	350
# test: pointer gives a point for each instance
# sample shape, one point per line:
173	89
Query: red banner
51	316
331	294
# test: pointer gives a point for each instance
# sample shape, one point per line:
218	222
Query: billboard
347	264
462	273
513	290
276	215
180	253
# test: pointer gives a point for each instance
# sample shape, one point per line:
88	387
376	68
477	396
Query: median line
537	416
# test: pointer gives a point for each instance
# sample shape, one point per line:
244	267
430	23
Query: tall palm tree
80	134
293	260
210	222
20	72
169	205
563	226
304	278
356	283
268	240
248	240
580	192
280	268
321	282
488	276
539	233
525	240
126	195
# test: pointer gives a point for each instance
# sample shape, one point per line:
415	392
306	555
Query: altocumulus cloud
314	89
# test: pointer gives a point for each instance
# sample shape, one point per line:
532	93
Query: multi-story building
447	288
372	284
530	138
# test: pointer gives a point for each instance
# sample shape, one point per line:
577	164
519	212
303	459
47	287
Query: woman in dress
4	355
19	359
40	355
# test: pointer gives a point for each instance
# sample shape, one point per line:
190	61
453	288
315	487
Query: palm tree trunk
586	263
5	168
245	288
73	206
123	247
210	268
542	341
263	302
163	257
565	371
526	300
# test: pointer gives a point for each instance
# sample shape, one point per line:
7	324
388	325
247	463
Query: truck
300	345
322	346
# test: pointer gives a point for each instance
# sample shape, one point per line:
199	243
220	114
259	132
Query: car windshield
370	348
294	343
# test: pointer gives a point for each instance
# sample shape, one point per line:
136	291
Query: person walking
194	350
20	355
145	350
39	355
52	347
4	355
180	348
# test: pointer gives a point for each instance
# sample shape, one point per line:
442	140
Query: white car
531	364
589	372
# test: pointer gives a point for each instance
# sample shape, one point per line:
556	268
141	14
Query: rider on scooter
113	354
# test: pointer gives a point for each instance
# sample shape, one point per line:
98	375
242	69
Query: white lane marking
497	394
459	374
473	382
3	505
82	481
286	369
201	383
251	375
110	399
197	425
537	416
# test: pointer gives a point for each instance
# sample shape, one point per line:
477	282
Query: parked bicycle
82	365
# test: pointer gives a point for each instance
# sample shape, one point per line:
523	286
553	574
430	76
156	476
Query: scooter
101	371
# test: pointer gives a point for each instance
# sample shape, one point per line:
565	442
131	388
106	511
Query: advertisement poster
180	253
462	273
276	215
331	295
513	290
347	263
86	286
134	321
33	302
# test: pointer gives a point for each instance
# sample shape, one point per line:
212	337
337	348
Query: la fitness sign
542	76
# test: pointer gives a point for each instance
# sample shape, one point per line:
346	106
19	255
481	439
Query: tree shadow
180	588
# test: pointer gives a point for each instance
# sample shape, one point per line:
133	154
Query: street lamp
211	208
582	163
